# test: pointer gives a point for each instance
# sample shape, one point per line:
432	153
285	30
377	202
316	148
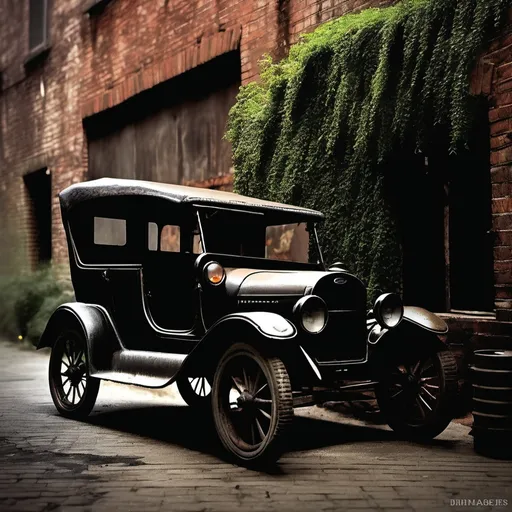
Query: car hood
250	282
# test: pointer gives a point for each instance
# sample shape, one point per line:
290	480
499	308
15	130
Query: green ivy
318	127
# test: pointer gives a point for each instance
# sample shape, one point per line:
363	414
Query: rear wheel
196	391
417	396
252	404
72	389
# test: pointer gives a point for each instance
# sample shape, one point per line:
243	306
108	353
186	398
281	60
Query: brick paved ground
142	451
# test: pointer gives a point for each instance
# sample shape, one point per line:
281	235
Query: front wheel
252	404
417	396
72	389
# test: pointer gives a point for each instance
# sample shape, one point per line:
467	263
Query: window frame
81	229
44	45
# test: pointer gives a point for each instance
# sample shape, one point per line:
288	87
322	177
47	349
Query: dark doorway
39	188
470	222
442	204
419	198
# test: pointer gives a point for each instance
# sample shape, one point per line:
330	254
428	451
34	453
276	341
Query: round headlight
311	313
214	273
389	310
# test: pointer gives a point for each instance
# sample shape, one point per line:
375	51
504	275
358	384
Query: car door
169	281
118	242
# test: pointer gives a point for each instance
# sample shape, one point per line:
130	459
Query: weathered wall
172	133
99	61
40	120
493	78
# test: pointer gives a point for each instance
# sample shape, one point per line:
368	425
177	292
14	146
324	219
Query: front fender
425	319
255	326
416	317
95	325
269	325
407	339
266	329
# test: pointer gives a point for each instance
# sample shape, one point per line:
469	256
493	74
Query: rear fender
269	331
93	322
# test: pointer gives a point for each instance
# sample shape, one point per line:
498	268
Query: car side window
163	238
109	231
197	245
170	239
152	236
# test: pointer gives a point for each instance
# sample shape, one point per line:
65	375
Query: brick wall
100	60
40	122
97	61
493	78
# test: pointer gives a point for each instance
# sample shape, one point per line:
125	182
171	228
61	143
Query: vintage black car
229	297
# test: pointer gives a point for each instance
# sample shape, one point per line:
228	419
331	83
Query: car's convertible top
111	187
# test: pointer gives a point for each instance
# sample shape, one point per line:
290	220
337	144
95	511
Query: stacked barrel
492	402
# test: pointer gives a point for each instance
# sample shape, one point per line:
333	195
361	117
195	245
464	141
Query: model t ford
229	297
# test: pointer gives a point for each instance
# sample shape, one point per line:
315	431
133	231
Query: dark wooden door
172	133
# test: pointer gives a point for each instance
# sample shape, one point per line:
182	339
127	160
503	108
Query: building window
39	187
38	26
445	219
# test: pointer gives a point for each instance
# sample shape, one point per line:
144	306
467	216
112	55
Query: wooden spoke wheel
252	404
417	397
196	391
73	391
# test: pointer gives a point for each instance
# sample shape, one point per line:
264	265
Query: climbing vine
320	125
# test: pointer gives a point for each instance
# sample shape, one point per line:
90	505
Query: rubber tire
191	397
447	366
84	407
278	379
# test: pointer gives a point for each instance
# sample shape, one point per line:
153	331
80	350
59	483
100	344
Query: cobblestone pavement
146	451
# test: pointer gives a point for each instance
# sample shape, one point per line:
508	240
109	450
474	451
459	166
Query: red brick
498	126
502	222
504	98
505	71
502	253
503	238
501	156
501	174
503	292
502	205
501	190
504	266
500	141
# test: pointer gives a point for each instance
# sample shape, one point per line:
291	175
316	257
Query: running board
303	401
142	368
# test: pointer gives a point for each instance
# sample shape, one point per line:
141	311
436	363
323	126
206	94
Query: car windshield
254	235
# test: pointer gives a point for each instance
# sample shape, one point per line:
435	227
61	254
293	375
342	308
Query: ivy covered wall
321	125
